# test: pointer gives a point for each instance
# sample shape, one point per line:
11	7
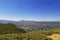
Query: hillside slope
33	25
10	28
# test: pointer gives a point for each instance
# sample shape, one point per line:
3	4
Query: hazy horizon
34	10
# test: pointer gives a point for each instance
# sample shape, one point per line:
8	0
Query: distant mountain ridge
34	25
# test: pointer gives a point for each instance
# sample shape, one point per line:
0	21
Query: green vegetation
10	28
24	37
11	32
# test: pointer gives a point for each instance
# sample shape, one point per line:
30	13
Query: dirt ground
55	36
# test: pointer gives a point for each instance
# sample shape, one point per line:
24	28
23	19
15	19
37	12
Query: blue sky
37	10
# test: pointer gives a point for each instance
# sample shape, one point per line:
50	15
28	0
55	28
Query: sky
36	10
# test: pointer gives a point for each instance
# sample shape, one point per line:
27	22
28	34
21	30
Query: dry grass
55	36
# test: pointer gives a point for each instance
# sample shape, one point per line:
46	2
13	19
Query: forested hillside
10	28
9	31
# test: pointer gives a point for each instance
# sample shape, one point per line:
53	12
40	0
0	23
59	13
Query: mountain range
34	25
